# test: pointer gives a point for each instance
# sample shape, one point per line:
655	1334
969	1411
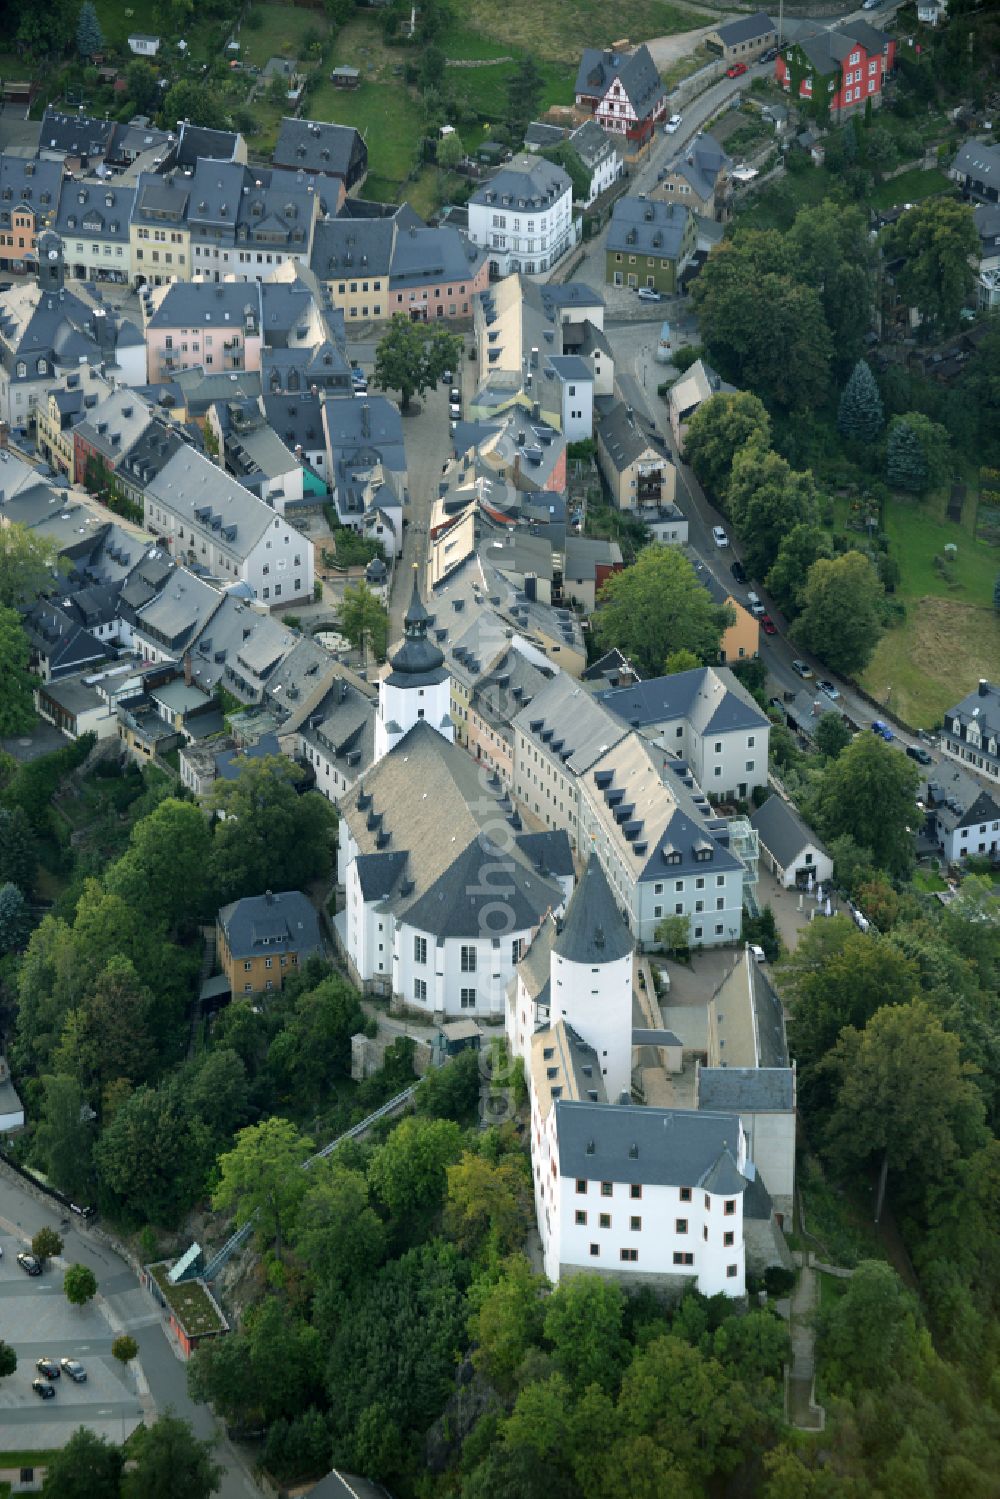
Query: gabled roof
318	146
635	71
782	831
566	713
74	134
745	29
979	160
750	1021
593	931
651	1146
711	698
260	925
626	435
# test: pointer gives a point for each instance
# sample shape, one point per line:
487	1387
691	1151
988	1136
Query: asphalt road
49	1422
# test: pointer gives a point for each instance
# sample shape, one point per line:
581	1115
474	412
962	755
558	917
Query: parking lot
37	1321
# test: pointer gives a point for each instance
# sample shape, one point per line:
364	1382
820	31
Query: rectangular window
629	1255
731	1271
247	967
730	1207
635	1191
420	949
635	1225
468	997
605	1220
581	1186
680	1225
683	1258
727	1238
607	1189
685	1194
581	1218
420	989
595	1250
468	960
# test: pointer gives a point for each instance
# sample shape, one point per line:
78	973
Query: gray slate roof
74	134
567	713
648	226
635	71
528	182
317	146
710	697
979	160
99	208
654	1147
423	255
260	925
746	29
627	437
593	931
746	1090
782	831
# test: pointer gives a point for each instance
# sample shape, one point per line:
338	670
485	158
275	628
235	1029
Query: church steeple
417	686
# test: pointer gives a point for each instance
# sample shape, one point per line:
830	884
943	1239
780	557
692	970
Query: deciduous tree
870	792
869	1338
409	1172
194	101
15	921
584	1322
29	566
938	244
17	683
261	1176
174	838
841	618
169	1460
684	1400
831	735
338	1235
87	1467
412	357
79	1285
487	1203
46	1245
107	1036
767	499
271	837
506	1321
124	1348
659	606
797	552
364	620
719	428
18	858
8	1360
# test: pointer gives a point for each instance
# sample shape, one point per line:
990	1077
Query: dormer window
22	369
42	366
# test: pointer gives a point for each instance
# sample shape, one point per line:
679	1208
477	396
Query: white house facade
523	217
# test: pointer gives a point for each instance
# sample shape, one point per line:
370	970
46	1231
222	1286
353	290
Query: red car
767	625
737	70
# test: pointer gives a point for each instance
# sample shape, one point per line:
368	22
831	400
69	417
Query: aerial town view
500	749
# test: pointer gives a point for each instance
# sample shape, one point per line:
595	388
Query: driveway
34	1312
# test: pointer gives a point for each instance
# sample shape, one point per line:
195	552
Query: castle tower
418	686
591	977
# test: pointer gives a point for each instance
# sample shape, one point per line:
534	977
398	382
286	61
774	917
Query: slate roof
593	930
550	853
635	71
626	438
979	160
195	489
527	182
700	163
75	134
123	416
260	925
782	831
196	141
535	968
648	226
176	613
86	208
983	708
423	255
584	554
543	136
711	698
745	29
750	1022
425	798
192	304
568	714
317	146
591	144
986	217
651	1146
34	183
345	247
751	1090
564	1066
345	1486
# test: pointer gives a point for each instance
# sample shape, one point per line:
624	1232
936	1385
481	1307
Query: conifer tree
89	37
860	416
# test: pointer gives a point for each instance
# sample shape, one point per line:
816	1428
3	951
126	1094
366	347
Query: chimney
187	668
984	687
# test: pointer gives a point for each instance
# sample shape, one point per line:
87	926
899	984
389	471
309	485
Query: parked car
673	124
769	55
883	730
756	607
719	536
738	571
29	1264
767	625
829	689
74	1369
42	1388
448	376
455	411
48	1367
650	294
921	756
803	668
737	70
454	395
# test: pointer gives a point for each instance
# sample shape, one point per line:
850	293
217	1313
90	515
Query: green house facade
649	243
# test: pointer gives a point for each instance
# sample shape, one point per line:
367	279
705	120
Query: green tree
107	1036
194	101
831	735
142	86
261	1176
270	836
216	1092
831	252
803	545
46	1245
680	661
860	416
18	857
767	499
837	977
525	88
87	1467
152	1160
658	606
29	566
8	1360
506	1320
79	1285
65	1138
918	453
938	245
718	430
902	1095
89	37
17	683
124	1348
338	1235
450	151
364	620
174	836
409	1172
487	1203
841	618
584	1323
169	1460
15	921
412	357
869	1338
870	792
673	933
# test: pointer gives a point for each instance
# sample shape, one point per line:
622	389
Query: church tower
51	266
591	978
417	686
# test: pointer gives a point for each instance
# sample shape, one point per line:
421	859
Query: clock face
53	254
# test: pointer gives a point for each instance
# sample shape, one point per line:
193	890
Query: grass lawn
555	31
831	1288
485	89
464	43
282	32
684	67
939	653
780	201
910	187
391	121
928	881
27	1457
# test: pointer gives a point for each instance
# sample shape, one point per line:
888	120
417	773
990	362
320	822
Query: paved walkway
800	1382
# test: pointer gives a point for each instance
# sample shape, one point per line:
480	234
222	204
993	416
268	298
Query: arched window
22	369
43	366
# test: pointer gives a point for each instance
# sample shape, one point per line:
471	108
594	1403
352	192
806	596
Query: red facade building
848	64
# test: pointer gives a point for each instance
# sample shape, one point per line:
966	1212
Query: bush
685	357
778	1281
